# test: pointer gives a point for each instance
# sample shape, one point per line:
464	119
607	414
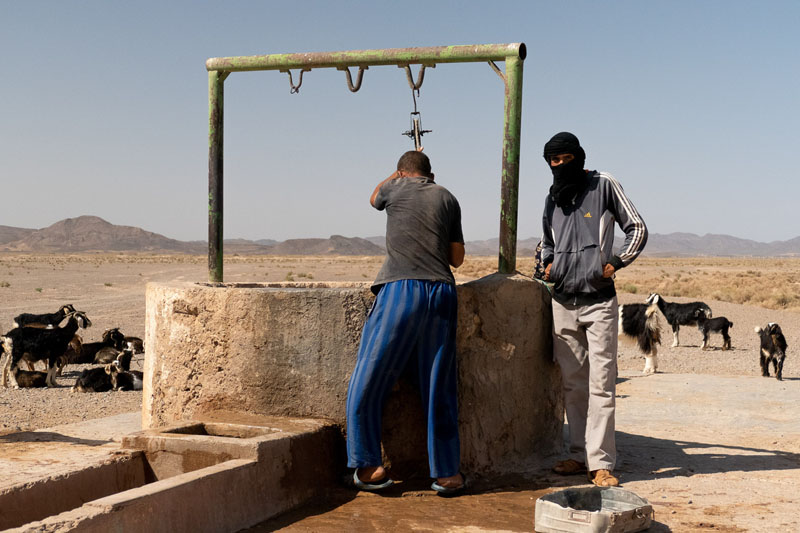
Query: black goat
48	320
28	380
106	355
123	378
112	338
773	349
96	379
678	314
135	343
707	326
124	359
72	355
40	344
640	322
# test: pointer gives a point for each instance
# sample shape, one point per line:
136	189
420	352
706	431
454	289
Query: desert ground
748	291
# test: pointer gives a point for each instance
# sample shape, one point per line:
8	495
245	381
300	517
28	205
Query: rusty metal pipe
215	181
430	55
509	192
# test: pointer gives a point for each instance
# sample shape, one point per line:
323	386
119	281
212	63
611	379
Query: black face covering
569	179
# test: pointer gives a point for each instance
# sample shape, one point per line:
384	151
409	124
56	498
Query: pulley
416	132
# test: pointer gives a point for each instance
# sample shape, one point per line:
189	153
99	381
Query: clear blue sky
692	105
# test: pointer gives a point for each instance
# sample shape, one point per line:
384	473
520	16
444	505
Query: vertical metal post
509	192
216	80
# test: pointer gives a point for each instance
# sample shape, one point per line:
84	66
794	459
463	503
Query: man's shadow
649	458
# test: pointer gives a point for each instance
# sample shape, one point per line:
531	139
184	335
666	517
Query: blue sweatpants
410	318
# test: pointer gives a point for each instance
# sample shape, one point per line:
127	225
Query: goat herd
639	321
42	338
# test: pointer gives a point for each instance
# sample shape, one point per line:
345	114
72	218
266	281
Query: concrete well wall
288	349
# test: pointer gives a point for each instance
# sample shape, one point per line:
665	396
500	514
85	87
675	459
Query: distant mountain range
93	234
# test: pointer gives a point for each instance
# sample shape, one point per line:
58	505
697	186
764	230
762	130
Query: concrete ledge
36	500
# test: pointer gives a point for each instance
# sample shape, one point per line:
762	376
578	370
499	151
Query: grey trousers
585	347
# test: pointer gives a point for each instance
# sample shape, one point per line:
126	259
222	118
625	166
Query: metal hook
295	88
357	86
420	77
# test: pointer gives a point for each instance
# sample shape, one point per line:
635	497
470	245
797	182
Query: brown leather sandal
603	478
569	467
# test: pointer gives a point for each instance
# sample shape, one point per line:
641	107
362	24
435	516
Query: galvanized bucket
592	510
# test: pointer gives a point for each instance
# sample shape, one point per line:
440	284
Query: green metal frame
513	54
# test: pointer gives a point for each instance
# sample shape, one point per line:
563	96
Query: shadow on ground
47	436
648	458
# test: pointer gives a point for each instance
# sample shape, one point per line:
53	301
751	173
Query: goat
106	355
46	320
640	322
29	379
72	355
707	326
96	379
112	338
134	343
773	349
122	378
124	359
40	344
73	350
678	314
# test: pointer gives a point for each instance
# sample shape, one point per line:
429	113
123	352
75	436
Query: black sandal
373	486
450	491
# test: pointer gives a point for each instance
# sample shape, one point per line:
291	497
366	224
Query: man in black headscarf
578	223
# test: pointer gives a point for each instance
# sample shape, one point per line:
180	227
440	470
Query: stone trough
202	476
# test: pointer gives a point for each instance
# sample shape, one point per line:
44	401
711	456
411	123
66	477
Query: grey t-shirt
422	219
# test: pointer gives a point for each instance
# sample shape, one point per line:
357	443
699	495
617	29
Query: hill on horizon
94	234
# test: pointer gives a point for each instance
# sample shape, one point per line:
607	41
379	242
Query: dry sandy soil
700	397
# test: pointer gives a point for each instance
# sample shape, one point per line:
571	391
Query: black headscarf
569	180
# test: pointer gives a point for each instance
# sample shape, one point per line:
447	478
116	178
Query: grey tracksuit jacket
578	240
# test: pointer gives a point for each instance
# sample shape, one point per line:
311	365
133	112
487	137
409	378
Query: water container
592	510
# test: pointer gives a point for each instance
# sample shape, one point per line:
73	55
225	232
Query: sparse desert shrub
4	284
290	276
629	287
107	284
38	289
